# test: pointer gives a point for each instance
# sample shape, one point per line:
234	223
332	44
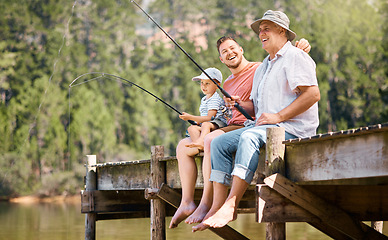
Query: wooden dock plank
359	156
329	214
110	201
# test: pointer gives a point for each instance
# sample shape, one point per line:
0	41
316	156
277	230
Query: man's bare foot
198	215
181	213
224	215
196	145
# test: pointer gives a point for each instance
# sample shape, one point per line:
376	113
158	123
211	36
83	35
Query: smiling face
231	54
272	37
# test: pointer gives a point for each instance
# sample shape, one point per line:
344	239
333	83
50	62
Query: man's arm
308	97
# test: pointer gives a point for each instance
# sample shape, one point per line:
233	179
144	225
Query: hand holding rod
226	94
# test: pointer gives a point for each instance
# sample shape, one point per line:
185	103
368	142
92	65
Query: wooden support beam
328	230
273	207
158	208
373	206
91	184
111	201
329	214
274	163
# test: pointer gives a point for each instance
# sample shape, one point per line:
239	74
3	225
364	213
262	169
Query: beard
235	65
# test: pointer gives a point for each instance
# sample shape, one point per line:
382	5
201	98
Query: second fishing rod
225	93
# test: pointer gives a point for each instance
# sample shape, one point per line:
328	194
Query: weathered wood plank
328	230
273	207
136	174
358	156
113	201
125	177
328	213
364	203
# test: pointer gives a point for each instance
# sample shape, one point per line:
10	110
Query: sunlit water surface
48	221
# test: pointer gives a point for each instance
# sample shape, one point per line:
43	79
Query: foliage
47	128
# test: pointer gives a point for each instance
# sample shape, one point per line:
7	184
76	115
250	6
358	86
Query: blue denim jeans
245	142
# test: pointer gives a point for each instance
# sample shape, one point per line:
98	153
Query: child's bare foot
184	210
196	145
198	215
224	215
203	226
200	227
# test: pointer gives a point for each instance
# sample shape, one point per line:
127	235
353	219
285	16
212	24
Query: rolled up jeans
246	142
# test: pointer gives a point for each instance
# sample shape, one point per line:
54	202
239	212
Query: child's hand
185	116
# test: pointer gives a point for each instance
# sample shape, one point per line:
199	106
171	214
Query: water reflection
49	221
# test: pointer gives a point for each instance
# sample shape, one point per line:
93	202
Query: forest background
46	44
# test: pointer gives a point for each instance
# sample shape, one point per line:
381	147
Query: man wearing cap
284	93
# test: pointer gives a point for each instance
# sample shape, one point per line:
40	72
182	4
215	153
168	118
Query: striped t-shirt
215	102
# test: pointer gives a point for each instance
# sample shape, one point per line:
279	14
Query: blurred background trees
46	128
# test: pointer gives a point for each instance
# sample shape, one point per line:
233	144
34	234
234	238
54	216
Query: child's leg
206	128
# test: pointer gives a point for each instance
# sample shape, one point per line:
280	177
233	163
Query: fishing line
109	76
49	82
225	93
115	78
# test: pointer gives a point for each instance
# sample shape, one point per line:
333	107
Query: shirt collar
284	49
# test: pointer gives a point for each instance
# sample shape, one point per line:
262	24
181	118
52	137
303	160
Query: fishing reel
227	112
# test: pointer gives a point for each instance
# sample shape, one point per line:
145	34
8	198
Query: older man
284	93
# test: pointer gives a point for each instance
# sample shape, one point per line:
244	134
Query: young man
285	93
238	85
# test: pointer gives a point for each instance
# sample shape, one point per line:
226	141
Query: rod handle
242	111
192	122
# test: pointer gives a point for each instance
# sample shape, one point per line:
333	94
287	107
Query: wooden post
91	184
274	163
158	207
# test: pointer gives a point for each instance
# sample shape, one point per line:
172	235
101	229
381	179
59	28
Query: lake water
64	221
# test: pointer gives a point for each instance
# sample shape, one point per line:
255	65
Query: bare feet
200	227
184	210
224	215
198	215
196	145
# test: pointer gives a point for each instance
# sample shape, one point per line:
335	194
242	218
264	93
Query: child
210	109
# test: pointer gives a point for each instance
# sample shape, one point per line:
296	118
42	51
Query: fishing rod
107	75
226	94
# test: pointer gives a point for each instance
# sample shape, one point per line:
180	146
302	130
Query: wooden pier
334	182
